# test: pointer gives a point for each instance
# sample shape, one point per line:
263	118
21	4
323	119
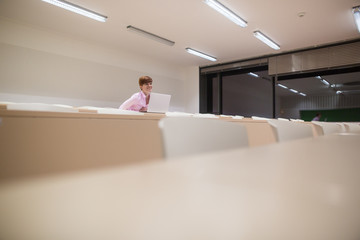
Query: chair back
289	130
328	127
352	127
188	135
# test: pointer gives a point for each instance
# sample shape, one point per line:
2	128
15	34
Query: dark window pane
247	95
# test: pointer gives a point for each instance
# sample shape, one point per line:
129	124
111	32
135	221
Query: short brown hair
144	79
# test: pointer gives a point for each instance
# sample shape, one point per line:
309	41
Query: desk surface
79	115
302	189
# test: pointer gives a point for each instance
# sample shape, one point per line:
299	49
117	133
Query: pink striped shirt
135	102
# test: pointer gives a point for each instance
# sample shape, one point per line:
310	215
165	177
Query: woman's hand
143	109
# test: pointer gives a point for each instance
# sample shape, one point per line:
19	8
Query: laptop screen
159	103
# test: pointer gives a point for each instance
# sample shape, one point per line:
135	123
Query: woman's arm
129	102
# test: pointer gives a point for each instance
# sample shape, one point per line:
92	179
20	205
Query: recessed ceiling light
301	14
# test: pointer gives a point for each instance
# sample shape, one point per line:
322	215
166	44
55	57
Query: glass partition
304	97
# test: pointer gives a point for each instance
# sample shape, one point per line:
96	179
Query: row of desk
43	142
37	142
87	175
301	189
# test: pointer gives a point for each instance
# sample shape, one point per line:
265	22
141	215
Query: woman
139	101
317	117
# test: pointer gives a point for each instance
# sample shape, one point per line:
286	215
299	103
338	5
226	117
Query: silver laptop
159	103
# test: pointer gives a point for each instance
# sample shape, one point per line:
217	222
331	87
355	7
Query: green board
333	115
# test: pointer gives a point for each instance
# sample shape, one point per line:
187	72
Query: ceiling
191	23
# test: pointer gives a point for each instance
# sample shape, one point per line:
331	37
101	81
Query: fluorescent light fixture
253	74
333	85
280	85
356	12
291	90
259	35
151	35
77	9
325	82
338	92
226	12
200	54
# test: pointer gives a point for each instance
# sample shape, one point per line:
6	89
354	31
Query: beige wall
192	90
43	66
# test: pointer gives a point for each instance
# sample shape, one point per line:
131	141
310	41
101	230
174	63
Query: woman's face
146	88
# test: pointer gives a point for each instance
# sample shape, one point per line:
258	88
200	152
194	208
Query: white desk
302	189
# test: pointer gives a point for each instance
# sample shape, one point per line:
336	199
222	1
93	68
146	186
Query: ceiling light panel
262	37
253	74
226	12
200	54
291	90
77	9
280	85
150	35
325	82
356	12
